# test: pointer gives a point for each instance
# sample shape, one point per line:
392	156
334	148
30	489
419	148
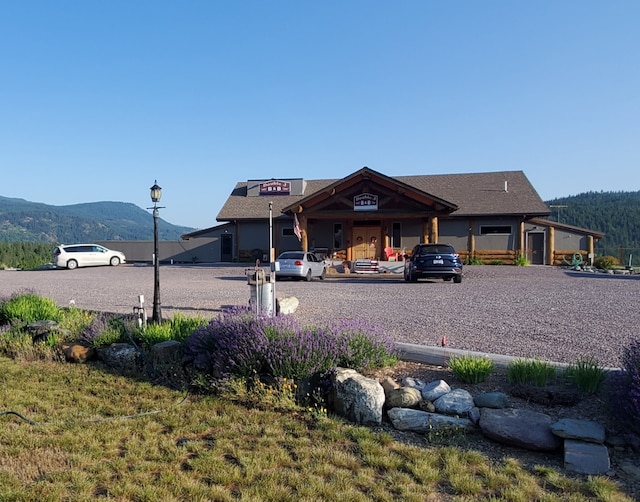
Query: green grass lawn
98	435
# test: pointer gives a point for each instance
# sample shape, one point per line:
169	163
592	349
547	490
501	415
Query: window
287	232
495	229
396	234
337	236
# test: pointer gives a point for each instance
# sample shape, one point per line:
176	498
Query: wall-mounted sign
275	187
365	202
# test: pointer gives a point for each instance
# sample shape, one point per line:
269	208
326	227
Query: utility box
262	292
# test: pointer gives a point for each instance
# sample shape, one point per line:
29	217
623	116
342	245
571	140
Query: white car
300	265
86	255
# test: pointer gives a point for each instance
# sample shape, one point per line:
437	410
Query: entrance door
366	243
535	248
226	247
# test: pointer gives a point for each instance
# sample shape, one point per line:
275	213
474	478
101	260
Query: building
490	217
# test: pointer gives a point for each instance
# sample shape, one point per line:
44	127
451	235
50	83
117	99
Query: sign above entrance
275	187
365	202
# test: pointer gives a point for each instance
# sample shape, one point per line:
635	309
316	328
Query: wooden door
366	243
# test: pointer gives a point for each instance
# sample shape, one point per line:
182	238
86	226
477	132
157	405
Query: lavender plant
625	388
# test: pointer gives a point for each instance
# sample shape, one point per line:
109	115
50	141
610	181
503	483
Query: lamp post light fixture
156	194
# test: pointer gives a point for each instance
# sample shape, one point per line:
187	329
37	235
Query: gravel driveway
536	311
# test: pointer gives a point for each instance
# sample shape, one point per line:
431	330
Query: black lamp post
156	193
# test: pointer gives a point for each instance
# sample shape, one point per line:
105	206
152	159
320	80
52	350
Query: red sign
275	187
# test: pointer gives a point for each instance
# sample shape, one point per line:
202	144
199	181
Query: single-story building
488	217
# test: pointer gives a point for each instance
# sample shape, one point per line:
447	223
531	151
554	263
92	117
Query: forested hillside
24	221
617	214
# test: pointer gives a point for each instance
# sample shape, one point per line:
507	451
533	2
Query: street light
156	193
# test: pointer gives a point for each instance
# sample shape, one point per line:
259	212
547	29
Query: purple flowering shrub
105	329
238	343
625	388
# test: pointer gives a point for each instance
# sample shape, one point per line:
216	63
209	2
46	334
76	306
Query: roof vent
506	188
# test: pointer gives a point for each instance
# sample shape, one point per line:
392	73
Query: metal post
272	265
157	312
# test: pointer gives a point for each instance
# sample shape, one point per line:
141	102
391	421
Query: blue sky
99	99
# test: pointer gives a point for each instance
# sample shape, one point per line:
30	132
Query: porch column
304	241
435	230
551	246
521	245
425	231
471	240
590	249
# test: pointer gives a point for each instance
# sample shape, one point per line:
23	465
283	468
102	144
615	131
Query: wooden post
433	234
551	245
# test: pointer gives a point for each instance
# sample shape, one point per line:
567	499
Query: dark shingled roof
475	194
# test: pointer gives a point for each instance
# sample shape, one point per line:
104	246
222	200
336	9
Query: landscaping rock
389	384
288	305
584	430
586	458
405	419
122	356
77	352
403	397
456	402
496	400
517	427
434	390
356	397
416	383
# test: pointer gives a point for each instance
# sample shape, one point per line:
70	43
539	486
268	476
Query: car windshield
436	250
291	256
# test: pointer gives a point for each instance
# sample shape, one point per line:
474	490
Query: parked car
86	255
300	265
433	261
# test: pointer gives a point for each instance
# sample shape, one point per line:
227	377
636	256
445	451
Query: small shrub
154	333
182	327
606	262
29	307
104	330
471	369
625	388
76	320
365	345
473	260
521	260
587	374
532	371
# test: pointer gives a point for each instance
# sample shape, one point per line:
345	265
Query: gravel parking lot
544	312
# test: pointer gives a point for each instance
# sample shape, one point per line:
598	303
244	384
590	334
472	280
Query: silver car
86	255
300	265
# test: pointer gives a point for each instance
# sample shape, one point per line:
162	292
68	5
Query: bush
29	307
182	327
154	333
606	262
471	369
521	260
104	330
625	388
587	374
240	344
532	371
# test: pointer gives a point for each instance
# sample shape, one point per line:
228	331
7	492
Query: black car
433	261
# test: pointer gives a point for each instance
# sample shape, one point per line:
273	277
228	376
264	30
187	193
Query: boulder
166	361
403	397
356	397
288	305
496	400
456	402
586	458
124	357
405	419
434	390
77	352
585	430
517	427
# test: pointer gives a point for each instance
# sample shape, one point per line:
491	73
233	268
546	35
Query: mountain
24	221
617	214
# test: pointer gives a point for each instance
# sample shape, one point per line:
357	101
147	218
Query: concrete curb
439	356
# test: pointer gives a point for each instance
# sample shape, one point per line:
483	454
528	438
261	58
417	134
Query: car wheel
457	279
323	274
115	261
308	276
71	264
